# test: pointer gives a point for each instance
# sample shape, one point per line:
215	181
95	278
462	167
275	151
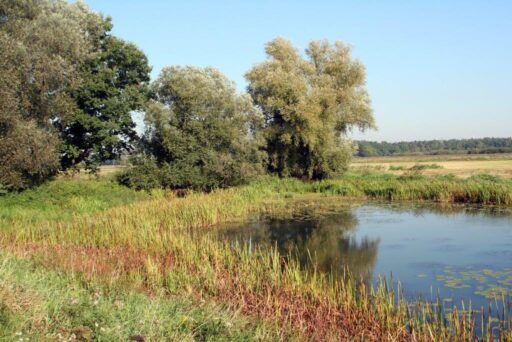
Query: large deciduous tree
201	132
67	88
309	103
114	81
41	42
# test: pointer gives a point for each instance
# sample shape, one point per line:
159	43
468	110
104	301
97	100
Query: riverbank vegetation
163	246
41	304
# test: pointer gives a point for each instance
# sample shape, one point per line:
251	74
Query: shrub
425	167
144	174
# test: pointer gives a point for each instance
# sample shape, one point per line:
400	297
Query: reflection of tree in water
325	241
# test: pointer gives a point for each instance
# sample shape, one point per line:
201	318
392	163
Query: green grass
161	246
482	189
37	304
61	199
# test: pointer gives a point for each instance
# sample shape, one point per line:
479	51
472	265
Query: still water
455	253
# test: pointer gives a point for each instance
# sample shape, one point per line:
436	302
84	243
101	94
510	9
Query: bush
220	172
144	174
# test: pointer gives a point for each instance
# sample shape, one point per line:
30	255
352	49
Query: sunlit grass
163	244
41	305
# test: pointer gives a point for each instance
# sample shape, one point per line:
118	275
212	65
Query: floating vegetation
455	283
486	282
493	292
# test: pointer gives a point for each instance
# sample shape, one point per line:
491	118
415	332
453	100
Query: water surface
455	252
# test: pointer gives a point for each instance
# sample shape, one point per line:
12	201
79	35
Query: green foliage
63	76
61	199
144	174
200	131
42	42
309	105
27	155
366	150
56	306
113	84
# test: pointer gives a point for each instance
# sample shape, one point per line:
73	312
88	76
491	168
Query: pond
450	252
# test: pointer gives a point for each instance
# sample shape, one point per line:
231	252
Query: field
463	166
90	260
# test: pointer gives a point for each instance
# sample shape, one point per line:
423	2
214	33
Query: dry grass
462	166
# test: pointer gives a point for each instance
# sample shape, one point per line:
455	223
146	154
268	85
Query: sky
435	69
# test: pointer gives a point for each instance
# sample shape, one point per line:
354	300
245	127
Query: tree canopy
67	89
470	146
309	103
114	82
42	43
201	132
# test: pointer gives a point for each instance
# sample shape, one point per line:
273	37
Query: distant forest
432	147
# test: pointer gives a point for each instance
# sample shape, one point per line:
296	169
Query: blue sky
436	69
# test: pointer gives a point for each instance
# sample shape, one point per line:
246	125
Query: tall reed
168	240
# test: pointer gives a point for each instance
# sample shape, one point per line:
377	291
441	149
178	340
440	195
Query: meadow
87	259
460	165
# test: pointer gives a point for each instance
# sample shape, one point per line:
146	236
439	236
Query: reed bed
482	189
167	243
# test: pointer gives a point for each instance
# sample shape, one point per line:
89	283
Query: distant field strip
494	165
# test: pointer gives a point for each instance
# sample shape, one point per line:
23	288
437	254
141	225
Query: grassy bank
37	304
162	244
482	189
63	198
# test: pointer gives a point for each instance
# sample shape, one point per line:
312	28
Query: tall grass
164	243
41	305
482	189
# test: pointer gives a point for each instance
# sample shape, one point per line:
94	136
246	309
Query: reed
166	243
38	304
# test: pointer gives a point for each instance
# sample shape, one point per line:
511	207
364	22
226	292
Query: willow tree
200	131
114	81
310	103
41	43
67	87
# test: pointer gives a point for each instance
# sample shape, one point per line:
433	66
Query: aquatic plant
164	243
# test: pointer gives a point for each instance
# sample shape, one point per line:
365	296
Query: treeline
68	88
432	147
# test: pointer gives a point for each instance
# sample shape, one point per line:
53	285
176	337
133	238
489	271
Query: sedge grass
41	305
168	239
